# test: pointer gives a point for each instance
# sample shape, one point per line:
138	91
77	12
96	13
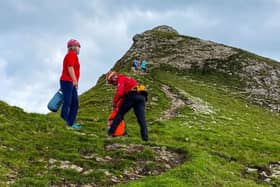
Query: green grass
218	147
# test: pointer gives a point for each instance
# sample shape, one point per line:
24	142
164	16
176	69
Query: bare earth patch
176	103
267	173
162	160
181	99
145	161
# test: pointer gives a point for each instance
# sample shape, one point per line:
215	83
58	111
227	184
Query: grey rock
164	45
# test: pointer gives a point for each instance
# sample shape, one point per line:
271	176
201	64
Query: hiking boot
145	139
76	126
110	132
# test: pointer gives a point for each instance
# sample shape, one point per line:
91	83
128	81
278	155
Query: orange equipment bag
121	127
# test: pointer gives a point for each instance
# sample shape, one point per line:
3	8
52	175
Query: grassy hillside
202	149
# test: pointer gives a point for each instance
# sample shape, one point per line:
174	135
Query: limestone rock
163	45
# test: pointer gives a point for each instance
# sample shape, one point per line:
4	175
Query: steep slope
205	117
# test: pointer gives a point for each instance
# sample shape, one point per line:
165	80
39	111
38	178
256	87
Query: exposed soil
147	161
181	99
266	173
162	160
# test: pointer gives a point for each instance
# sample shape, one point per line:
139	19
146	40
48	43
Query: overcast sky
33	36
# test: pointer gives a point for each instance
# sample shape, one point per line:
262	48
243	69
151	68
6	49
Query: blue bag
56	101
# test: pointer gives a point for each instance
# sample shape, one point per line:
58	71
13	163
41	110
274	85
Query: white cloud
35	37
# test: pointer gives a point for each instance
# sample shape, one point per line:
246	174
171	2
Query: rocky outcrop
262	83
266	173
259	77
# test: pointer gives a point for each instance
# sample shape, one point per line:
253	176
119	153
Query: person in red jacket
69	84
131	99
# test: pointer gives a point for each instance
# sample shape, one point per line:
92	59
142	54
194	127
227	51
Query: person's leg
139	110
66	88
73	107
127	104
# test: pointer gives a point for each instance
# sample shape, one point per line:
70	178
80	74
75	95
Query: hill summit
258	77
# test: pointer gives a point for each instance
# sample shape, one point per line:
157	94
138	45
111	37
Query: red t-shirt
70	59
124	85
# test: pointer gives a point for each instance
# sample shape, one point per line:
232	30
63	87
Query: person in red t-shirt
69	84
131	99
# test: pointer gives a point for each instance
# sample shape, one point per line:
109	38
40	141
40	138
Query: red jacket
70	59
124	85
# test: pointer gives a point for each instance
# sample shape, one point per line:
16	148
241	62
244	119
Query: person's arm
73	76
119	92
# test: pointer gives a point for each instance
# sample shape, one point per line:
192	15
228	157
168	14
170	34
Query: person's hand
109	122
109	133
75	83
114	106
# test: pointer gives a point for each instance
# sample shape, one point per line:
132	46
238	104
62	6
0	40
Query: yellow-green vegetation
217	148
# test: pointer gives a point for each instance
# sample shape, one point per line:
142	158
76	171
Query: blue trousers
137	102
70	105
